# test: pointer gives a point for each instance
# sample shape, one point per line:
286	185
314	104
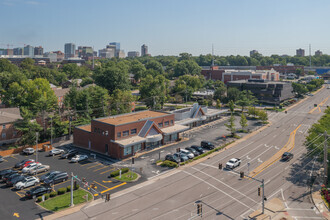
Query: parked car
182	156
37	191
287	156
78	158
172	158
28	163
27	182
193	151
7	171
28	151
55	152
30	166
198	149
47	175
38	169
9	176
207	145
56	178
232	163
15	180
1	159
69	154
188	153
20	164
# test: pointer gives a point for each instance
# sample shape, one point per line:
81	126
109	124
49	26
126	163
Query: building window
133	131
118	134
3	126
160	125
137	147
14	133
171	122
127	150
3	135
125	133
167	123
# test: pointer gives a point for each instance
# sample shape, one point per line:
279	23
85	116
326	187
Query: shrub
116	173
68	188
76	186
53	194
46	196
39	199
61	191
168	163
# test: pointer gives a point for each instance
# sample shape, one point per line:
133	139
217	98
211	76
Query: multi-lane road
224	194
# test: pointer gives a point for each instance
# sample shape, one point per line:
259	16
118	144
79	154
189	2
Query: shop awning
130	141
174	129
154	138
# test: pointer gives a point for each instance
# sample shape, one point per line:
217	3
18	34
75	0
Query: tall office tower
117	44
133	54
144	50
318	53
29	51
18	51
300	52
69	50
38	51
108	52
85	52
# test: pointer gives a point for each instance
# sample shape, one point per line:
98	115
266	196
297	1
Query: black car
20	164
9	176
173	158
56	178
69	154
5	172
207	145
198	149
192	150
47	175
37	191
16	179
287	156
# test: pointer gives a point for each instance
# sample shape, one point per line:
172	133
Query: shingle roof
9	115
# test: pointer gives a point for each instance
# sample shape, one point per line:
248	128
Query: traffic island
274	209
128	177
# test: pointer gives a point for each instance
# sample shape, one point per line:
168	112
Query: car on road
28	151
287	156
182	156
193	151
57	178
1	159
55	151
30	166
188	153
23	162
47	175
7	171
78	158
27	182
172	158
69	154
14	180
207	145
232	163
198	149
38	169
37	191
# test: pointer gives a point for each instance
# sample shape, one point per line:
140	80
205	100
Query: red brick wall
80	138
214	74
9	131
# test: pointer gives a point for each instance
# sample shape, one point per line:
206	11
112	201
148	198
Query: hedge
39	199
61	191
68	188
116	173
46	196
168	163
53	194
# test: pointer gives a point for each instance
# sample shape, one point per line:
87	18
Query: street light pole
71	204
37	146
263	196
51	131
325	159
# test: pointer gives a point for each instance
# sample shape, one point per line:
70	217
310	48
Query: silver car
39	169
28	151
55	152
27	182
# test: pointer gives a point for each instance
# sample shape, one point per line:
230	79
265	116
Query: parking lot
95	172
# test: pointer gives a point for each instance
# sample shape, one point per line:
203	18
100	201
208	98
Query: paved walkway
320	205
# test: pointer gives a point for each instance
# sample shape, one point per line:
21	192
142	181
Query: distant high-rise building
38	51
117	44
108	52
29	51
18	51
120	54
318	53
300	52
60	55
85	52
52	56
144	50
133	54
253	52
69	50
3	51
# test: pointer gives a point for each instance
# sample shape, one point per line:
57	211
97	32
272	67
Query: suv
27	182
192	150
183	157
5	172
173	158
69	154
207	145
187	152
28	151
199	149
287	156
47	175
56	178
16	179
55	151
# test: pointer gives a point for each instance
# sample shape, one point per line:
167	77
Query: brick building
8	116
282	69
234	75
123	135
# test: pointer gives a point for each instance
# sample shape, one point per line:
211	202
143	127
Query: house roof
132	117
9	115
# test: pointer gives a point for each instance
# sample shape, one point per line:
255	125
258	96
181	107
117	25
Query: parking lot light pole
37	146
71	205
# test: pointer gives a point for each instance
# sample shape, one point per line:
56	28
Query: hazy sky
169	27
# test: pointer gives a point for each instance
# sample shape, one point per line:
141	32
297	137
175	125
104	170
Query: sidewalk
319	203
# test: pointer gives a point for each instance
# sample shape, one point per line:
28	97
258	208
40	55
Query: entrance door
106	148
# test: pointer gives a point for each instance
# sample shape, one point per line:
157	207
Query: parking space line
86	164
93	166
107	171
124	183
13	157
101	184
100	168
19	195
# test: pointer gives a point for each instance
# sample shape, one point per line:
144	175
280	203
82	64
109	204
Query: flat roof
86	128
131	117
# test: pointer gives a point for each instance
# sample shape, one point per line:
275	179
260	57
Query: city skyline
169	28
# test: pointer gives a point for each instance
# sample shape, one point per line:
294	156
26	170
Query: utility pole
37	146
325	159
71	204
51	131
70	119
263	196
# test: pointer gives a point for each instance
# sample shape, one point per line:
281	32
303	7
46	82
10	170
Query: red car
28	163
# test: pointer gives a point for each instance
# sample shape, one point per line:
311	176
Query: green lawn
126	177
63	201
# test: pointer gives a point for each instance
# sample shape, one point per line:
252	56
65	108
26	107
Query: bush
68	188
76	187
53	194
61	191
168	163
116	173
46	196
39	199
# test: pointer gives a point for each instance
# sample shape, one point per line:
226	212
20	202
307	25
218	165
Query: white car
28	151
78	158
55	152
27	182
30	166
188	153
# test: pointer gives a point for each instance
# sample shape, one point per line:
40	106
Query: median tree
243	121
231	125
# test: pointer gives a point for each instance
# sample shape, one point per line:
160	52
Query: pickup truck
232	163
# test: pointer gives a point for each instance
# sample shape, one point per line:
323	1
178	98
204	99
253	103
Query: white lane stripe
304	217
219	190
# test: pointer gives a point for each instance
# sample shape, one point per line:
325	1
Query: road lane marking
100	168
101	184
124	183
107	171
109	181
19	195
16	214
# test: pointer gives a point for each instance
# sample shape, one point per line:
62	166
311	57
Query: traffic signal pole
263	196
71	204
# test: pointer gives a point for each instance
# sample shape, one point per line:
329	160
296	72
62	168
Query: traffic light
107	197
132	160
259	191
241	174
315	105
220	166
199	209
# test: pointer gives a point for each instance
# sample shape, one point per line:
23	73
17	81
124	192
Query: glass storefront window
127	150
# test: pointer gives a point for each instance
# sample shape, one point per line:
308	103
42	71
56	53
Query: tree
218	104
252	111
233	94
246	98
231	125
186	85
28	130
73	71
299	89
121	102
231	105
263	116
154	91
138	69
185	67
220	90
243	121
155	65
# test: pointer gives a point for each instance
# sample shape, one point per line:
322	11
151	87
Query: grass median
127	177
63	201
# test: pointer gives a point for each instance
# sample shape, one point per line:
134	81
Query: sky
169	27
